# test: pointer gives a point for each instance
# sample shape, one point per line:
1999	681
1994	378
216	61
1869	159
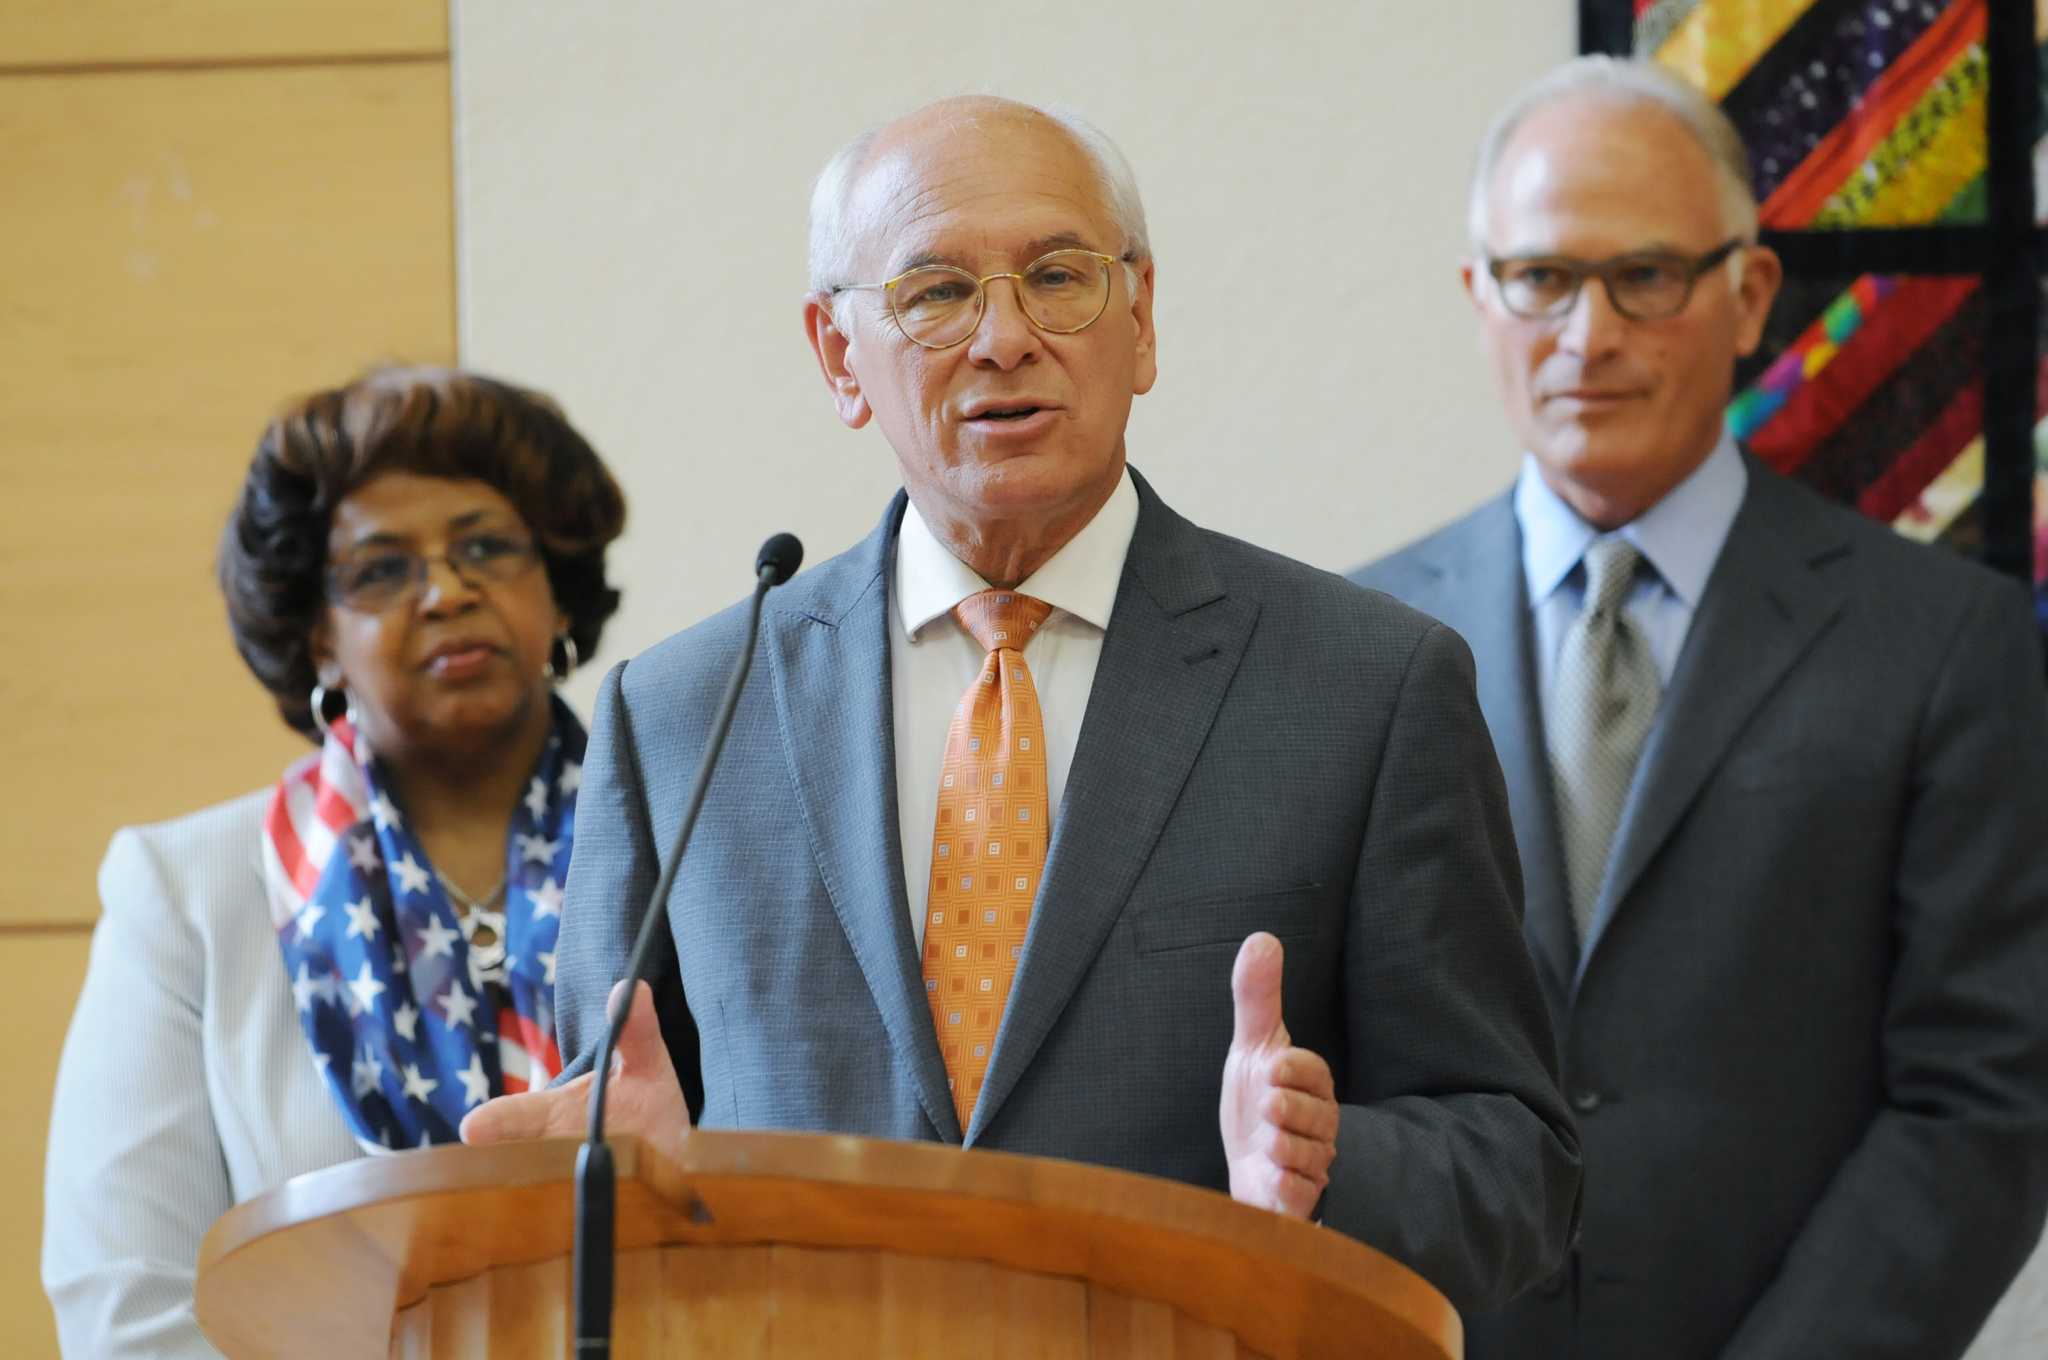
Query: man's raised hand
1279	1109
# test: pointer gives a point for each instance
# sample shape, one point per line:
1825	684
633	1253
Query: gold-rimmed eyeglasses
377	581
938	306
1643	285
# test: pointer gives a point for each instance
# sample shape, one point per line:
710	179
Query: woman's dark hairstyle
434	422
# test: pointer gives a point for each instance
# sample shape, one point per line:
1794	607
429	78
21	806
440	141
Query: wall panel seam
200	65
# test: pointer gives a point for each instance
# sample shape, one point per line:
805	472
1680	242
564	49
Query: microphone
596	1182
778	559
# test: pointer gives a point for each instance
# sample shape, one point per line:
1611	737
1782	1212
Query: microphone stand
596	1175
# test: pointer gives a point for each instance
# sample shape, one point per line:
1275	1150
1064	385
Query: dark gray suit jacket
1265	747
1807	1045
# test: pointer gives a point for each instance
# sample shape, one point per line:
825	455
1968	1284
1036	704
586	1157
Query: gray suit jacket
1807	1042
1265	747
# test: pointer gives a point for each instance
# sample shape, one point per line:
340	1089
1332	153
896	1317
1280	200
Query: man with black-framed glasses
1779	781
1054	823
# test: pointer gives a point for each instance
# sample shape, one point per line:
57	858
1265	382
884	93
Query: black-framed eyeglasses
938	306
1643	285
383	579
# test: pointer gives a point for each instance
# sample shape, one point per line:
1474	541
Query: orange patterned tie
988	847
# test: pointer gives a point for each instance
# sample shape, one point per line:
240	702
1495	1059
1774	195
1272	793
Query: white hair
1624	79
834	238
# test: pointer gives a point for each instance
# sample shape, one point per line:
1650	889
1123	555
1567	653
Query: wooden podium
797	1245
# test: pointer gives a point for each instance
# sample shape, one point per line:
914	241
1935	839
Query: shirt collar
1681	535
1080	579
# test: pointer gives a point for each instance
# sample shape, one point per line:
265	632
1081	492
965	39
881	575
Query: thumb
638	1048
1255	990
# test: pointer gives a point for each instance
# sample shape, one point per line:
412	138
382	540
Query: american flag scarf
409	1028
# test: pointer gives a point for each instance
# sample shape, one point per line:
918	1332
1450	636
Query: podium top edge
764	1186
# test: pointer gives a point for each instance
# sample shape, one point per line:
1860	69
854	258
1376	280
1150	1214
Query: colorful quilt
1902	371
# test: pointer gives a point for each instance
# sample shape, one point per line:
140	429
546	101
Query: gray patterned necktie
1602	704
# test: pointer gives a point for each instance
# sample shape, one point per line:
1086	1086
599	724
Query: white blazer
186	1084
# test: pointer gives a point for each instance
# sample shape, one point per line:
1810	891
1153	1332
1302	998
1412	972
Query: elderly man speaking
1063	826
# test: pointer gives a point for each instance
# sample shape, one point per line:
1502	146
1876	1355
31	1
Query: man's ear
1147	371
1468	274
830	344
1762	272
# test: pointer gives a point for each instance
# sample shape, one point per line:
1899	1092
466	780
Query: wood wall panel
81	32
42	974
196	246
207	207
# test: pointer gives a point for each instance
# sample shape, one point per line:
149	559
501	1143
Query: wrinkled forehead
1602	174
974	192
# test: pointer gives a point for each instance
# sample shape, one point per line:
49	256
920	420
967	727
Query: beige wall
209	205
226	201
633	187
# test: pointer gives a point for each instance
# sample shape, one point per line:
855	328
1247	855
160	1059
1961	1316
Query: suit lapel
1481	593
838	732
1764	605
1174	642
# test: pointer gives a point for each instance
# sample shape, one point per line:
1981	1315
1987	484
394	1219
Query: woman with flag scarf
349	961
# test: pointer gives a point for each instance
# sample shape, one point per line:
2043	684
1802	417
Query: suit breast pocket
1224	917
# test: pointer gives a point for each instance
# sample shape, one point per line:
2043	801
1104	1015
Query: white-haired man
1779	780
1228	753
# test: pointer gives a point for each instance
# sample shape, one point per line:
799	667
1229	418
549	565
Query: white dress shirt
932	661
1680	537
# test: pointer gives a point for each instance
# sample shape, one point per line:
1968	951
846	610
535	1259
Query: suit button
1552	1284
1585	1101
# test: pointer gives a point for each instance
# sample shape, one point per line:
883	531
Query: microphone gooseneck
596	1177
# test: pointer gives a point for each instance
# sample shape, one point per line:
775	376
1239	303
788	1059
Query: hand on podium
643	1098
1279	1108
